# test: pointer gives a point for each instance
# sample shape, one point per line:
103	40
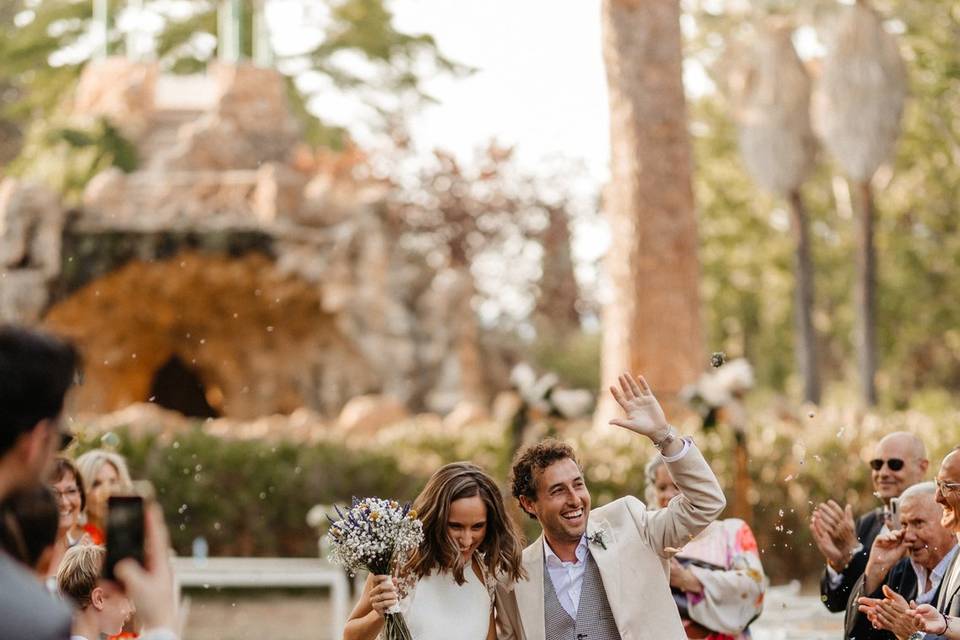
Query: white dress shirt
567	577
936	576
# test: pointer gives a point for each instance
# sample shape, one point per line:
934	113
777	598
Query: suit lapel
949	586
607	563
530	592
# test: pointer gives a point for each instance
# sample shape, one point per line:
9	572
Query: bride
446	589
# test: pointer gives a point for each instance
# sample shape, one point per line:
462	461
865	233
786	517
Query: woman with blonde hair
445	591
104	473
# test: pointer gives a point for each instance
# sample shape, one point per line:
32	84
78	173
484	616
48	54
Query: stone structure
220	278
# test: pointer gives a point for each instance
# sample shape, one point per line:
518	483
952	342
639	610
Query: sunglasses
894	464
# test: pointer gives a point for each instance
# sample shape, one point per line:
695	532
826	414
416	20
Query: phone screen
124	531
894	514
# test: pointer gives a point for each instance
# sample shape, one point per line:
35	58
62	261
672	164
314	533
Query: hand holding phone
894	514
125	532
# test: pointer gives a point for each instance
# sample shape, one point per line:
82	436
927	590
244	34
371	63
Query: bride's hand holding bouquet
378	536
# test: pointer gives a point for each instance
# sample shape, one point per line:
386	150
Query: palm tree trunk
652	326
866	294
805	335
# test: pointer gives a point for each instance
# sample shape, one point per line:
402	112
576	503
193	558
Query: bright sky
539	83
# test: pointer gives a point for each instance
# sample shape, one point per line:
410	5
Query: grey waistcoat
594	617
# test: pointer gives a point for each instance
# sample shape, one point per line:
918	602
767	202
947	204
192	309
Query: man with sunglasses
893	612
36	371
900	460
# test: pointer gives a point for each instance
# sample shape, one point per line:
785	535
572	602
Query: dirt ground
248	615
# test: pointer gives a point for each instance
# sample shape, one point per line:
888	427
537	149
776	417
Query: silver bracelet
665	440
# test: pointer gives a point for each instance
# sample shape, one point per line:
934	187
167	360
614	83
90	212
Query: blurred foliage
574	357
68	157
745	246
44	45
251	497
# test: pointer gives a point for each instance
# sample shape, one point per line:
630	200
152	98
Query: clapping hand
834	532
644	415
892	613
929	619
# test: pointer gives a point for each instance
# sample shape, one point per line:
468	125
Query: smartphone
125	532
894	514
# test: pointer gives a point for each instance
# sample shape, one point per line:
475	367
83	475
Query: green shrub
251	497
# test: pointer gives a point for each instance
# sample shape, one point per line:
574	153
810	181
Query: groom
605	575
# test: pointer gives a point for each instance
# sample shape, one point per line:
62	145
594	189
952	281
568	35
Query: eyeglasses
69	494
946	488
894	464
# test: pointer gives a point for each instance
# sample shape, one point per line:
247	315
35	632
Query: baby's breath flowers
378	536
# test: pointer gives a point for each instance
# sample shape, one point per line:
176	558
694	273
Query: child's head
79	578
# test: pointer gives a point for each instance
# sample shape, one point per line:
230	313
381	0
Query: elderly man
910	561
36	371
893	612
603	574
900	460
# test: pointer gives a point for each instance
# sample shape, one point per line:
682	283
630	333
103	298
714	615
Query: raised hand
151	587
644	415
834	533
835	557
886	551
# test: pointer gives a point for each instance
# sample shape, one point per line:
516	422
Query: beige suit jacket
634	566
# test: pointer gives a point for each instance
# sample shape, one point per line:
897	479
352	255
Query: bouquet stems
396	628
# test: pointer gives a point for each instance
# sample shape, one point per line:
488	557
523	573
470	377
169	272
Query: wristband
665	440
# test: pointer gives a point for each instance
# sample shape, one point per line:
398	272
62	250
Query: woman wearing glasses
67	485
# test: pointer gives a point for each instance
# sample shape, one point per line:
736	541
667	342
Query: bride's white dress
437	608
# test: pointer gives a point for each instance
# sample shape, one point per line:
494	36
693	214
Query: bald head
900	460
904	441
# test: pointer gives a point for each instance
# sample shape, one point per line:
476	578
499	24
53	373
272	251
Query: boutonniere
598	537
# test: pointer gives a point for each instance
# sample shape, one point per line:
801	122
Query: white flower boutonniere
598	537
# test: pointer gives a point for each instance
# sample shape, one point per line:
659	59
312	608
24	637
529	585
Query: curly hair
529	462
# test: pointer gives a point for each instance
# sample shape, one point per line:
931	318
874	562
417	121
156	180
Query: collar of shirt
553	560
936	576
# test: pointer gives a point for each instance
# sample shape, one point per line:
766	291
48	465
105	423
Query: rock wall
274	286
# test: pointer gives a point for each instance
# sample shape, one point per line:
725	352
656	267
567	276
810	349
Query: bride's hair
502	545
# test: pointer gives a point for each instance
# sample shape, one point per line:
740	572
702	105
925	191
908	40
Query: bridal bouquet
378	536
